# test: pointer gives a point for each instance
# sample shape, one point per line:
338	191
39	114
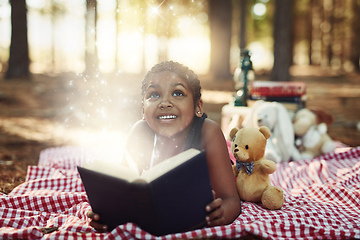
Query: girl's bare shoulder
140	126
211	131
211	125
141	131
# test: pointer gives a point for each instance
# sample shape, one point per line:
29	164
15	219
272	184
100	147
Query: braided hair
182	71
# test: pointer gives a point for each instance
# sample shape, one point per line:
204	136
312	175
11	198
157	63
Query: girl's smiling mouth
166	117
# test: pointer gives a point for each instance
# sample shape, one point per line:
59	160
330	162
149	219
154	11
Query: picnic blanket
322	201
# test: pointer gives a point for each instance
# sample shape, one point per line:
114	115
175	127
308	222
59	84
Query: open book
169	198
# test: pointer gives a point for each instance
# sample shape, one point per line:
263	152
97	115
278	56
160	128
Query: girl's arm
138	149
226	206
139	145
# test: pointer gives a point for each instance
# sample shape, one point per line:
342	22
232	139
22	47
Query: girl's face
169	104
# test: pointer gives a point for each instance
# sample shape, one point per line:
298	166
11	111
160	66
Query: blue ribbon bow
249	167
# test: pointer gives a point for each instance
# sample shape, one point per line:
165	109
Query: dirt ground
69	109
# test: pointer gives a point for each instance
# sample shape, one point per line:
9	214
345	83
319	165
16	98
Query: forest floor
68	109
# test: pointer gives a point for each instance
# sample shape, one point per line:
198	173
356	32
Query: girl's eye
178	93
153	95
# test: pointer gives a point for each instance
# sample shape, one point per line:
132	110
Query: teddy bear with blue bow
252	169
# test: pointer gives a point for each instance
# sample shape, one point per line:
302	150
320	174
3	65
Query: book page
113	168
165	166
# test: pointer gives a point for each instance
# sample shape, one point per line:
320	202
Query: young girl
173	121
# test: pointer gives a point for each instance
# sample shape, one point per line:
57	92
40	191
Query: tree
55	10
220	37
355	53
283	51
117	18
309	29
242	36
91	59
18	66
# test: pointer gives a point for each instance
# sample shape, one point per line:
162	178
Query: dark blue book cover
171	200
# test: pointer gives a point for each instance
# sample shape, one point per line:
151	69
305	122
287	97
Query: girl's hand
97	226
216	212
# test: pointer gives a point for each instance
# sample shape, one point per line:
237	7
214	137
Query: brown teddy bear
252	168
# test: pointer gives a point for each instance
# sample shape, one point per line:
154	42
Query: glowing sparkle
155	10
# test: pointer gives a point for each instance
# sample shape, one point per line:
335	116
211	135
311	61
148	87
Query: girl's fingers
99	227
215	218
93	215
216	222
214	204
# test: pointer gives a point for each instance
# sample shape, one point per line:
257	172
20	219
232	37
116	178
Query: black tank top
193	140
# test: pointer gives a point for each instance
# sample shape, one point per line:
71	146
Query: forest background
71	69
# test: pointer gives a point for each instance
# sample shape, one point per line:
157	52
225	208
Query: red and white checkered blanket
322	201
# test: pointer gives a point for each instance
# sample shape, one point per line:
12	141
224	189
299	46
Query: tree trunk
91	59
309	28
18	66
53	35
117	16
243	24
220	15
316	33
283	51
355	53
327	28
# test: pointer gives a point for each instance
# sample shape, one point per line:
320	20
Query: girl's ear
199	108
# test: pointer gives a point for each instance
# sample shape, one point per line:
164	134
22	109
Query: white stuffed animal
310	127
316	141
280	146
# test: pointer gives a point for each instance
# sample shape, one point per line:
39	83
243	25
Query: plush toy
252	169
307	117
281	145
310	128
